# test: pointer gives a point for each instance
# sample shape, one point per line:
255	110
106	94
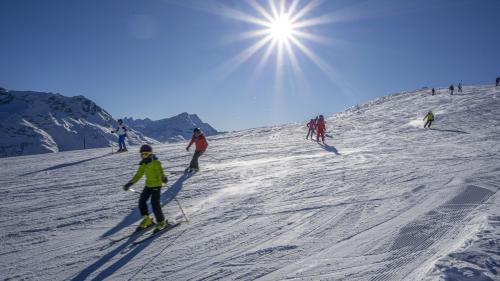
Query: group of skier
152	169
451	89
429	118
318	126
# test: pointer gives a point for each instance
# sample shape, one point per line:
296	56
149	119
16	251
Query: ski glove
187	148
127	186
164	180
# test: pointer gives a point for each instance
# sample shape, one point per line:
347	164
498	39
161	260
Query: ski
154	234
184	172
131	234
177	172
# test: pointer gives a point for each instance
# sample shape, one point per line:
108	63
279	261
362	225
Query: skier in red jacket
201	146
320	129
311	125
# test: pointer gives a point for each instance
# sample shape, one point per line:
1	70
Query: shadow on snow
167	196
449	131
329	148
129	252
64	165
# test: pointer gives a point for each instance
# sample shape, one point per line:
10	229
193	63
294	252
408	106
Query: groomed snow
383	200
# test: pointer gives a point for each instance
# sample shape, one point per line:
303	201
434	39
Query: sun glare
281	28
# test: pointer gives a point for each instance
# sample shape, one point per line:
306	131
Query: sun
281	28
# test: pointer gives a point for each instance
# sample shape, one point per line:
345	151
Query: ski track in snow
383	200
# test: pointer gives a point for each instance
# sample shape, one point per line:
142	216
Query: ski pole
182	211
133	190
178	204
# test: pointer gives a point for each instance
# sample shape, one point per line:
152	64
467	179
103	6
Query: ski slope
383	200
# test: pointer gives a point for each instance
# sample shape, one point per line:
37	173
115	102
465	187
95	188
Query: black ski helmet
146	148
197	130
120	121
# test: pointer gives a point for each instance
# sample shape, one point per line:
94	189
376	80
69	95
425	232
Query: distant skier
433	91
201	146
430	118
460	87
452	88
320	129
121	130
497	81
155	178
311	125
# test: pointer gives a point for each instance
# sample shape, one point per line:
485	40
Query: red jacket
320	125
311	124
200	142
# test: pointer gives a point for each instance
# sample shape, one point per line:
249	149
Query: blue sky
158	58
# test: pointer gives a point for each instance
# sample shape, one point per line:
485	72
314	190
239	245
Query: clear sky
158	58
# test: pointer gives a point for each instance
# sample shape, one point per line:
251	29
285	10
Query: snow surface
383	200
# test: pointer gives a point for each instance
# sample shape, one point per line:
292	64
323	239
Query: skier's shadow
173	190
85	273
449	131
330	148
64	165
167	196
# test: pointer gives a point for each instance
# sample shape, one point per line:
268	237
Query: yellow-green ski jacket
150	166
429	117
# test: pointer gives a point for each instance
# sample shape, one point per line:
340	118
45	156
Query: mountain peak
178	127
40	122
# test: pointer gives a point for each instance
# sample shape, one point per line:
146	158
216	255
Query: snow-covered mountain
176	128
384	200
38	122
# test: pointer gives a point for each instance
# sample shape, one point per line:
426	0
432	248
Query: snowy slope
179	127
384	200
38	122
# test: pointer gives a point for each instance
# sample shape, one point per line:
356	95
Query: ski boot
146	222
161	225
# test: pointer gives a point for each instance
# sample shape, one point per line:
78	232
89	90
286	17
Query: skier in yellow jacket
430	118
155	178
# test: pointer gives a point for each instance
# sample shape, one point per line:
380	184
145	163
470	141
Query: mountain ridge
175	128
33	122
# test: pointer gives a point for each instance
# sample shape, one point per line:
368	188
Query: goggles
145	154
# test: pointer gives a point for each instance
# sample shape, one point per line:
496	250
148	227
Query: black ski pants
194	162
155	194
311	132
428	124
